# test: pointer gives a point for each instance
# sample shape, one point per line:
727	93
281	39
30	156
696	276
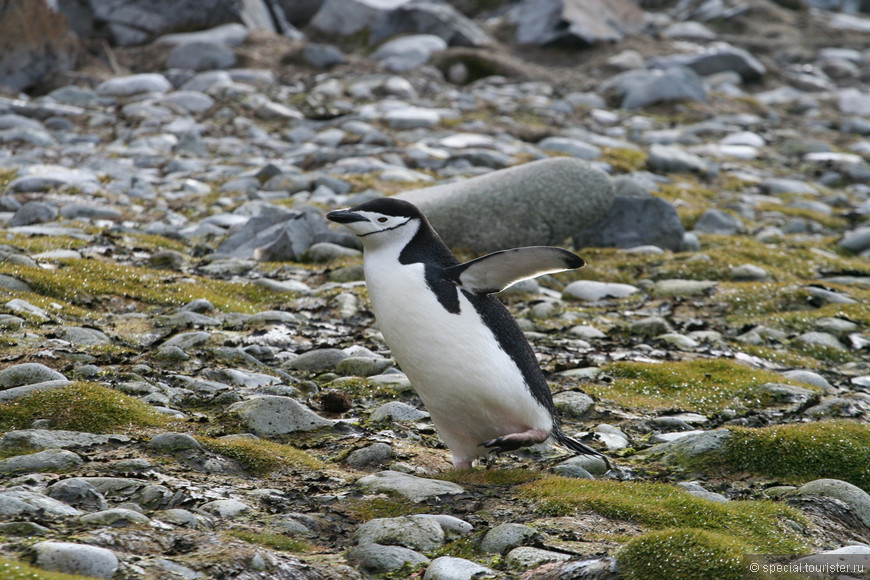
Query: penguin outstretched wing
495	272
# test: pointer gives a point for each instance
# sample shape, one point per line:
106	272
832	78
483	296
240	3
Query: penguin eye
382	219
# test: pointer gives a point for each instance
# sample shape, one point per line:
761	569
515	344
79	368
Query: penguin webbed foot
515	441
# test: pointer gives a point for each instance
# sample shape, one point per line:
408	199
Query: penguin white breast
472	388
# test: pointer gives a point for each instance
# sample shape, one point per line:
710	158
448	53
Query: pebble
397	411
593	290
505	537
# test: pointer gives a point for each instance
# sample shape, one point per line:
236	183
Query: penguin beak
345	216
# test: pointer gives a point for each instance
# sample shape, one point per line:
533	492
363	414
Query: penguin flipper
495	272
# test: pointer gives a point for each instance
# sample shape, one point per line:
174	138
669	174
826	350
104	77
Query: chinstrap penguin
463	352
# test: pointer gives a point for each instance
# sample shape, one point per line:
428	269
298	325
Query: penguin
460	347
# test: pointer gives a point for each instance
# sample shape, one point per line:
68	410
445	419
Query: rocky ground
193	386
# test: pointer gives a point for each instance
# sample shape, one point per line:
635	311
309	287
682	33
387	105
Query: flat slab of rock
535	204
274	415
55	439
409	486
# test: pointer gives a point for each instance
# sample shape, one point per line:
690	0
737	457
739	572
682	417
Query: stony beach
192	384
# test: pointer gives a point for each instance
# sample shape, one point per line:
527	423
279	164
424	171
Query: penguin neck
427	247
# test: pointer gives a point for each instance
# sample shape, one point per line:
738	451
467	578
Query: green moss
507	477
682	554
81	406
379	507
624	160
13	570
273	541
703	385
81	282
260	456
801	452
758	524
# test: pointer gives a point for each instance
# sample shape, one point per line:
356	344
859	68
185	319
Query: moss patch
704	385
259	456
81	282
760	525
802	452
273	541
379	507
624	160
13	570
81	406
682	554
490	476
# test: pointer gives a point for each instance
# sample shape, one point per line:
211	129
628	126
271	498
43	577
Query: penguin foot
516	440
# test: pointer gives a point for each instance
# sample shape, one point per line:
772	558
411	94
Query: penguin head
379	220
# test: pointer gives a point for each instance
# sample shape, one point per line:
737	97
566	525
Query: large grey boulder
538	203
584	22
72	558
35	43
716	58
384	20
844	491
636	89
414	488
632	222
275	415
132	22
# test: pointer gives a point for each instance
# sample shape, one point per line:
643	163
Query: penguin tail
572	444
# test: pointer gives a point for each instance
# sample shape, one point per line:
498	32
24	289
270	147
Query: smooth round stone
226	508
505	537
822	339
683	287
85	336
200	56
412	118
397	411
275	415
14	284
370	455
133	84
49	460
424	534
526	557
450	568
193	101
573	403
27	374
173	442
78	493
650	326
749	273
586	332
573	147
679	340
716	221
34	212
115	517
853	495
188	340
409	486
592	290
322	252
809	377
72	558
380	559
856	240
322	359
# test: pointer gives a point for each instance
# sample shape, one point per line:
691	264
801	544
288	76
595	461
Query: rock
226	508
573	147
397	411
200	56
374	454
408	52
450	568
632	222
78	493
683	287
582	466
70	558
716	58
593	291
822	339
363	366
749	273
278	236
173	442
857	240
538	203
27	374
687	449
672	159
132	22
318	360
636	89
134	84
573	403
505	537
85	336
413	488
574	22
378	559
115	517
232	34
29	439
322	55
54	460
857	498
273	415
526	557
35	44
388	20
34	212
809	377
414	532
